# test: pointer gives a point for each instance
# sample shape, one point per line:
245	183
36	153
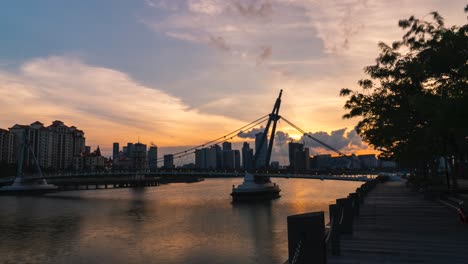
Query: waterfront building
138	156
153	158
306	158
219	156
322	162
7	143
368	161
247	156
274	165
211	158
115	150
54	146
297	156
93	161
87	150
227	146
169	161
237	159
261	153
207	158
228	159
200	158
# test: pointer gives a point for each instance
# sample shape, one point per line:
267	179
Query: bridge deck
399	226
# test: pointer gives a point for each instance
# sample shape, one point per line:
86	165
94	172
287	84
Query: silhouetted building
169	161
207	158
296	156
200	158
247	156
368	161
54	146
237	159
228	159
139	157
227	146
87	150
153	158
7	144
274	165
322	162
115	150
306	158
261	153
211	158
90	162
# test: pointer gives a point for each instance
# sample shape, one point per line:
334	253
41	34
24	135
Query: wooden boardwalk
396	225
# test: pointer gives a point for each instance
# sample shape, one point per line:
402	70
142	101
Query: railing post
360	195
346	225
355	202
335	233
306	238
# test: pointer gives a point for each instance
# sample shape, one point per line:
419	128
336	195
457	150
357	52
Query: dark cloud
219	43
338	139
251	133
265	54
253	9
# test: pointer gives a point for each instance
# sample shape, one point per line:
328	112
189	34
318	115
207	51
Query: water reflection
26	238
175	223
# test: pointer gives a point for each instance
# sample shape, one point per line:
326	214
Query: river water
174	223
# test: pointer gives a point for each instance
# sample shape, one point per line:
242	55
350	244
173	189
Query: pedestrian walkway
397	225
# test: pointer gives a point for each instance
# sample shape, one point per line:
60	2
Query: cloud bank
107	104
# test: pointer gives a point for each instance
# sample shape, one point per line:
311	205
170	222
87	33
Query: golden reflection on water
175	223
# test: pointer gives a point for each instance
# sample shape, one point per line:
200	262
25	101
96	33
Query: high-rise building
53	146
7	143
260	153
130	150
200	158
139	157
153	158
115	150
219	156
228	159
247	156
207	158
87	150
211	158
227	146
89	162
237	159
296	156
307	158
169	161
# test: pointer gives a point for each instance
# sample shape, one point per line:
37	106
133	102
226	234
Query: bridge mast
273	117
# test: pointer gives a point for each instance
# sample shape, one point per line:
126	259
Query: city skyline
166	70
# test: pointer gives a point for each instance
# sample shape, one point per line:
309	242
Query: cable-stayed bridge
261	163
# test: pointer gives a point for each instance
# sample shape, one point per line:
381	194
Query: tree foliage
414	105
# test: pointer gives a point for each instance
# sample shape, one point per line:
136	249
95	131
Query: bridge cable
220	139
186	153
313	138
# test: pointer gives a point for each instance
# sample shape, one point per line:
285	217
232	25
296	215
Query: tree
414	106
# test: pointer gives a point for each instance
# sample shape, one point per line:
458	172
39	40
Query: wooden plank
398	226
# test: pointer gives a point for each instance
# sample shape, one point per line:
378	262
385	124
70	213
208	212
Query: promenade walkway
396	225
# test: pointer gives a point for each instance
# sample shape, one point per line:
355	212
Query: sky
180	73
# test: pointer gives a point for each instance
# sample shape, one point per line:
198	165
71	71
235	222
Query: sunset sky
179	73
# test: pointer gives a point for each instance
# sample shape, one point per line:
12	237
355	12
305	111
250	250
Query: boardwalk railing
315	239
